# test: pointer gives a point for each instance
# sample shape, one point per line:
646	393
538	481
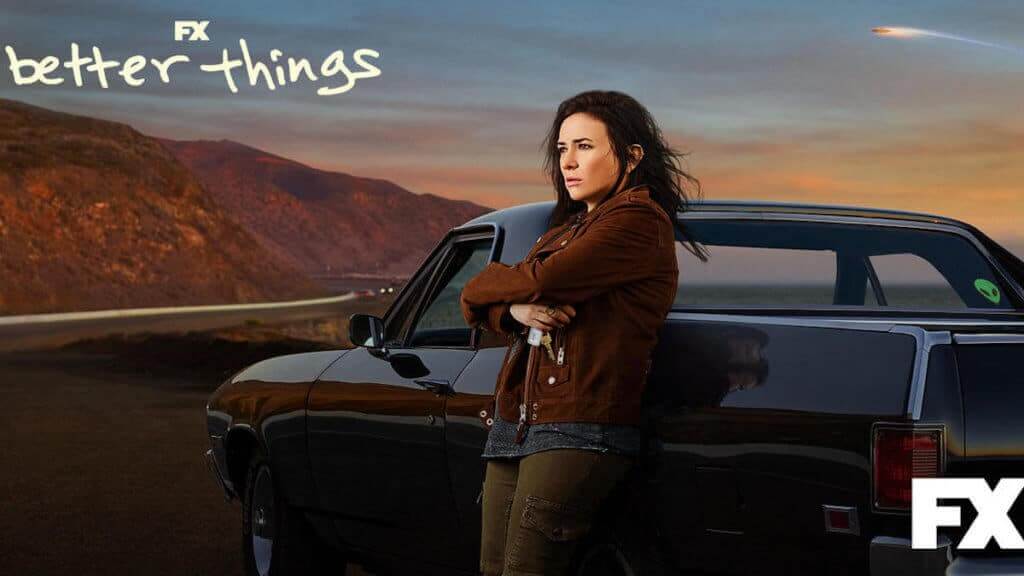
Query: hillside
95	215
322	221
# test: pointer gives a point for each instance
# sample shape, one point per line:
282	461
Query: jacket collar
613	200
584	218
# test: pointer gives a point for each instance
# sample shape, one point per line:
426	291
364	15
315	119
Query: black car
821	358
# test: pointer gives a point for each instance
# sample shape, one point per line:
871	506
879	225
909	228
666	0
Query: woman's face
589	167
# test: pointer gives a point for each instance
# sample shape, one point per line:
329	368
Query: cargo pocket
558	522
548	534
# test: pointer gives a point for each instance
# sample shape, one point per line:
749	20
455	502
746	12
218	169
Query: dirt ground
102	459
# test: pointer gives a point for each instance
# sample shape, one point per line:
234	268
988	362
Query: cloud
772	103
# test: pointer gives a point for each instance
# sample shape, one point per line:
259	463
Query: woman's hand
536	315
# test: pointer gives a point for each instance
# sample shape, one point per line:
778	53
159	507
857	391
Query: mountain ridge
96	215
322	220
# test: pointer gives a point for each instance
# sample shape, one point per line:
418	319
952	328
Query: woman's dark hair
627	122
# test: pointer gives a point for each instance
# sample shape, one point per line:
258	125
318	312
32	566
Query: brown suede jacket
617	267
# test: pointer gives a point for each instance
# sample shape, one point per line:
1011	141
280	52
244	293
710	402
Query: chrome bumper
211	465
889	555
985	566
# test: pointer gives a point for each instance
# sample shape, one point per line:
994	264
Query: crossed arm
615	250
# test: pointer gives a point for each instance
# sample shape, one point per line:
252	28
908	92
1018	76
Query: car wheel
601	554
602	560
276	539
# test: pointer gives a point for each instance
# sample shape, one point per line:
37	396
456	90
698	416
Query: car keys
538	337
546	341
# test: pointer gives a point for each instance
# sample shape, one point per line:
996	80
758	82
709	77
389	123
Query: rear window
908	280
814	264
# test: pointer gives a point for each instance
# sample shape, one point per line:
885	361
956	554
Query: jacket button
551	379
483	413
490	421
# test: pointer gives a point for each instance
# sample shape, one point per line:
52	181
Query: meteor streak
900	32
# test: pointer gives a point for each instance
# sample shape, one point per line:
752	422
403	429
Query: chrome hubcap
263	521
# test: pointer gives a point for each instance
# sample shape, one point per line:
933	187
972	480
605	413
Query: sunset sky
791	101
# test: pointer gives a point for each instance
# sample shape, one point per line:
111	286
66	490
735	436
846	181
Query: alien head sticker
987	289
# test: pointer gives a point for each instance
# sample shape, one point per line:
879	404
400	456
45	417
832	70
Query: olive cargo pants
538	507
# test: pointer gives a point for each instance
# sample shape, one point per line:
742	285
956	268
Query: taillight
901	452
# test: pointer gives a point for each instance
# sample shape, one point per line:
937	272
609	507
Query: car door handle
439	387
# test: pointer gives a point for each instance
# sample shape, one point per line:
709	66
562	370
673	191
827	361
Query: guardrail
50	330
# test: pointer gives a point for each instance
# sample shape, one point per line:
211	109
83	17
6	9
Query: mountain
320	221
95	215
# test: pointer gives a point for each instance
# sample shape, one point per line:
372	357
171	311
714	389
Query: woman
597	286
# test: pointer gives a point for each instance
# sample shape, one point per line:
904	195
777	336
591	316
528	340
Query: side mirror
365	330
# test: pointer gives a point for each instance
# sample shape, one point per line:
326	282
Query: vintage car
821	358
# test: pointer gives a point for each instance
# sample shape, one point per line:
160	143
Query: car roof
818	209
540	210
524	223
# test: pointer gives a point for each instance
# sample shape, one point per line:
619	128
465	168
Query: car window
441	322
869	292
400	318
792	264
737	275
910	281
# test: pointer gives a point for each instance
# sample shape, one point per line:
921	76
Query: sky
787	101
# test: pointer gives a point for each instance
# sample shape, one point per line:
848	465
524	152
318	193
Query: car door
376	418
466	433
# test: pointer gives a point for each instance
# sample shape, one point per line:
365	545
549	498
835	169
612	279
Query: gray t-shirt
501	442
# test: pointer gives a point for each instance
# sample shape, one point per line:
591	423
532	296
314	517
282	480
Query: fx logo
993	506
196	30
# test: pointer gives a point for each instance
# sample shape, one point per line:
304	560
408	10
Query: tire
276	539
602	555
624	541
